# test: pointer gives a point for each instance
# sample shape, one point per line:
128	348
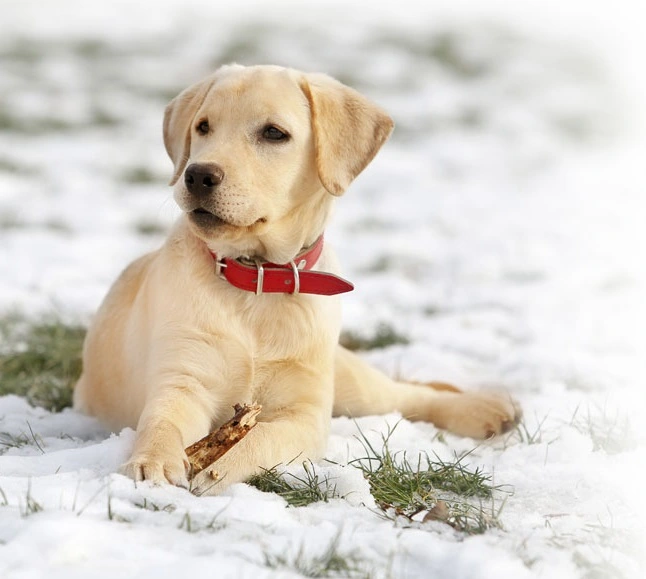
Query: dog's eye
203	127
272	133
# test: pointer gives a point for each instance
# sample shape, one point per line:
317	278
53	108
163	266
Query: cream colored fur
174	347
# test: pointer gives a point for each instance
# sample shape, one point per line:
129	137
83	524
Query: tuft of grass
441	490
331	563
89	49
31	506
384	336
427	490
148	227
112	515
102	119
148	505
610	432
189	525
297	491
10	221
600	550
445	48
57	226
22	50
243	47
34	126
523	434
10	166
42	125
187	522
40	361
8	440
381	264
139	175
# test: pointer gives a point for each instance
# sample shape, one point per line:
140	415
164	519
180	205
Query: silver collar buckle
219	266
261	276
297	277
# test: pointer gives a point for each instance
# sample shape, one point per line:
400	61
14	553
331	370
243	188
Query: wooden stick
207	450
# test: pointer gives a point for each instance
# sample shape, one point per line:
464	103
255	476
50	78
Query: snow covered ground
501	230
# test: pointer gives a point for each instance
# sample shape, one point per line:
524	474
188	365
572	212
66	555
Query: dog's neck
261	250
305	259
296	276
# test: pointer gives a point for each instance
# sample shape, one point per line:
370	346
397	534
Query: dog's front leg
267	445
178	412
297	433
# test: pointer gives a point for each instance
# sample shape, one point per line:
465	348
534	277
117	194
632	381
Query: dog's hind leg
362	390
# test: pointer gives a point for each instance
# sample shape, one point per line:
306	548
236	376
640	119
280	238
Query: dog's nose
203	178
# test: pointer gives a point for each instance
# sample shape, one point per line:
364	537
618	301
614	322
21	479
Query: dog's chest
287	326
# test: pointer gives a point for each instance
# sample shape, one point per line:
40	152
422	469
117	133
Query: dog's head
260	152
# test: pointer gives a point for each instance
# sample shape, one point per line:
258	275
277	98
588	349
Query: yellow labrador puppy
240	304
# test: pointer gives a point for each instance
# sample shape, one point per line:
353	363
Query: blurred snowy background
508	208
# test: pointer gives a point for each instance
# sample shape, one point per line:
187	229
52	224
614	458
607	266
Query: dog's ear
178	119
348	130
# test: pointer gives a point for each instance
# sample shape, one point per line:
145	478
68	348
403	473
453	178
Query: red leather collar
290	278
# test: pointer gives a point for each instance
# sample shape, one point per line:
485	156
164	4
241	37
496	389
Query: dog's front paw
478	415
157	468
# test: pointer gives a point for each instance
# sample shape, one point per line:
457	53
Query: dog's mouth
208	221
204	218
